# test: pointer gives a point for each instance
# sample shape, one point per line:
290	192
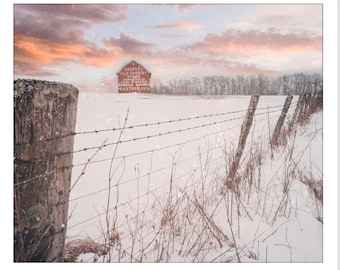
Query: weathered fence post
281	119
302	104
44	124
318	100
297	112
247	123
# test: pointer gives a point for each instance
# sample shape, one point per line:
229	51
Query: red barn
133	77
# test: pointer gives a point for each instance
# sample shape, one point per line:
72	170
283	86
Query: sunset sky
86	45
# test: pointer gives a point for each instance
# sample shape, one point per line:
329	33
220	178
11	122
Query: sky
86	45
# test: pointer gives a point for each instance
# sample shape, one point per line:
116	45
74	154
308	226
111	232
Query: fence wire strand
87	132
98	148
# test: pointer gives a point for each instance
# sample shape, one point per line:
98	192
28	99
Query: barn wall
134	78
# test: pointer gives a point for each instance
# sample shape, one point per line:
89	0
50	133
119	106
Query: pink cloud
185	7
126	45
182	7
46	35
240	43
180	25
172	36
29	49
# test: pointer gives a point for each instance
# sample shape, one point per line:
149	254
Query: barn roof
133	61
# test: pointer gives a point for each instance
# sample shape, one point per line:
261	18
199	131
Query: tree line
294	84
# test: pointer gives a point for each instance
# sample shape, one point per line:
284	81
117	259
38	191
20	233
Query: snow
167	190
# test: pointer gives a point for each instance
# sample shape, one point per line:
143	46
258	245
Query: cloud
172	36
86	13
180	25
182	7
185	7
251	43
248	52
63	23
50	52
25	68
297	18
126	45
31	52
46	35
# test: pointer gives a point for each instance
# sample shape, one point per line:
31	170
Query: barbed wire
135	139
160	148
141	138
129	127
62	136
125	156
154	135
170	146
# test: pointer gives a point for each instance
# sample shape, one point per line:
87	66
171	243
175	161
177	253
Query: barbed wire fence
125	220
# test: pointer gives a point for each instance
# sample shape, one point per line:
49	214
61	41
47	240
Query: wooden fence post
247	123
281	119
297	112
303	105
44	124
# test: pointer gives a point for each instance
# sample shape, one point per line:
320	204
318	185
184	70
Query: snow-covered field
160	194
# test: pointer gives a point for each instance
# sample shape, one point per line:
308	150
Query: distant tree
294	84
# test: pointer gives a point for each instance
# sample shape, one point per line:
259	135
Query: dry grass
76	247
315	104
315	188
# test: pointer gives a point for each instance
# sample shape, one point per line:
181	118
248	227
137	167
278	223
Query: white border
331	129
